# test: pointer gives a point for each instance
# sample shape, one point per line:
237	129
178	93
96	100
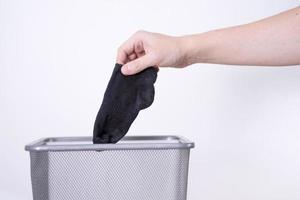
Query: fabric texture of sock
124	97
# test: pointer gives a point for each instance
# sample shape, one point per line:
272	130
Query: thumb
136	65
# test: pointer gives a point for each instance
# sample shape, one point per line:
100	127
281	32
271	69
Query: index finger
124	51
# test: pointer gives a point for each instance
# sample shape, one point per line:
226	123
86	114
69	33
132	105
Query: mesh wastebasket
136	168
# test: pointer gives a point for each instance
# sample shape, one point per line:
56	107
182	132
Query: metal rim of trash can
41	144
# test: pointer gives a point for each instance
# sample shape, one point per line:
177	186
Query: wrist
196	48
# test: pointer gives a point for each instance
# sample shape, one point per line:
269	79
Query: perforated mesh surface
159	174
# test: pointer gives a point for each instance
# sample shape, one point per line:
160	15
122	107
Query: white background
57	56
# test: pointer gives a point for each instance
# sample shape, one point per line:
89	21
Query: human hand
145	49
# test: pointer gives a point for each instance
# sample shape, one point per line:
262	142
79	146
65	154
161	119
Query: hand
144	49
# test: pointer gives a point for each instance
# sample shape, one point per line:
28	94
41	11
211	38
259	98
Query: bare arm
274	41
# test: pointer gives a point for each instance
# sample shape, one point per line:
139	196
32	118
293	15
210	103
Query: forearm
274	41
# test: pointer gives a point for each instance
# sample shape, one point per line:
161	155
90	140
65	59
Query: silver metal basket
136	168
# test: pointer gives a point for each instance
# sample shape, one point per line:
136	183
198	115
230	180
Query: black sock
124	97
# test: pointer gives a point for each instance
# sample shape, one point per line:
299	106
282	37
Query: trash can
136	168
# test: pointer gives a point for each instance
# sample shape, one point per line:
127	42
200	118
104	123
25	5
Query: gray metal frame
161	142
